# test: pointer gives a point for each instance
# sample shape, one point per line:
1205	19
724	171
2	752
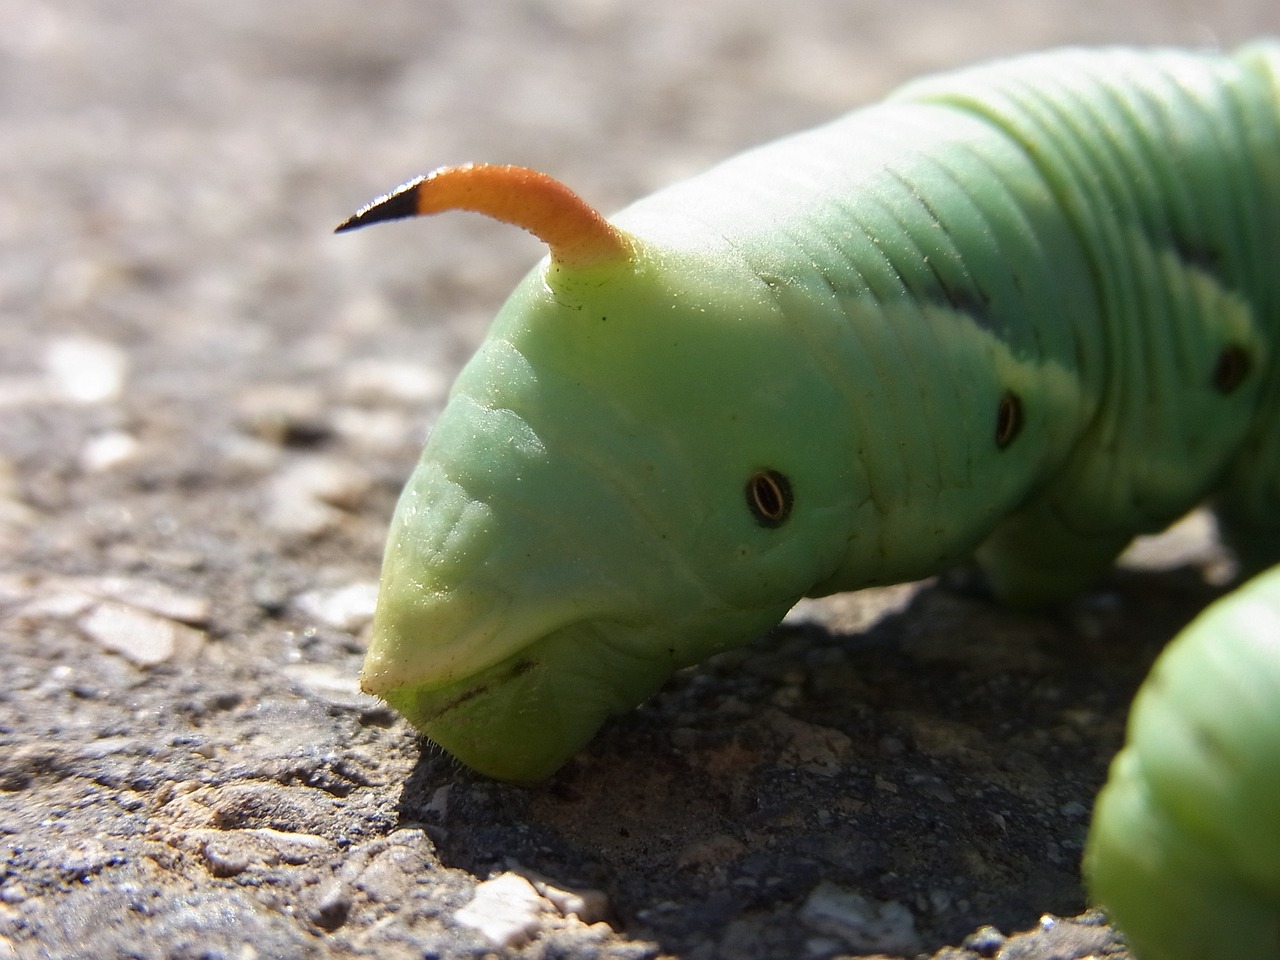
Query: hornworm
1184	849
1015	314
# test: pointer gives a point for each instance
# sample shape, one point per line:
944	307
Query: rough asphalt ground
207	406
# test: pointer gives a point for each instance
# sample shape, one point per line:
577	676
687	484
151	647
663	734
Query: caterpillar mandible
1015	314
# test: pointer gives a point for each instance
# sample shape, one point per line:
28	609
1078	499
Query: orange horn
576	233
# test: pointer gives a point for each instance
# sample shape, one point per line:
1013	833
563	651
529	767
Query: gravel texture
208	404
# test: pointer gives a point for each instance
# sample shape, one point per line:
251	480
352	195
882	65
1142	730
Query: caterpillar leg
1033	558
1248	511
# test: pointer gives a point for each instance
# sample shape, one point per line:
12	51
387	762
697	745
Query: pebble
710	853
291	846
109	450
150	595
439	805
507	911
226	857
141	637
511	909
1189	542
383	879
309	496
985	941
808	613
1055	937
271	594
333	685
330	905
86	369
589	906
43	598
284	414
231	852
859	922
378	431
813	748
379	381
348	608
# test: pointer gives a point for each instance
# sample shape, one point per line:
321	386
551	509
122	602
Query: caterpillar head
635	470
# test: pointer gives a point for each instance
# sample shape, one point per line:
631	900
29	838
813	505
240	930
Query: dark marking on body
769	497
1199	256
1231	369
1009	419
972	301
518	668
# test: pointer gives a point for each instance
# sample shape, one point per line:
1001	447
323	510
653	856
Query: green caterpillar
1184	850
1016	314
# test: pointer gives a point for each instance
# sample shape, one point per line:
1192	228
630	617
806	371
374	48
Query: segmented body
1093	232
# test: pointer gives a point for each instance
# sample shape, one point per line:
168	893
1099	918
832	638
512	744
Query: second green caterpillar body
1017	314
1184	849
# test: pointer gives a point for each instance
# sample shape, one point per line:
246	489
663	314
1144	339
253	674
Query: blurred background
171	170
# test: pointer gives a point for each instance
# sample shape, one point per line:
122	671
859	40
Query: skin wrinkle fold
1109	430
1088	364
1157	299
973	213
911	403
952	253
1009	208
1110	412
602	468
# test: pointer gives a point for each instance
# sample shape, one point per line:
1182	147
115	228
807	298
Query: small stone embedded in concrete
139	636
985	941
384	878
228	853
290	846
439	805
311	495
379	381
710	852
150	595
380	431
225	857
330	904
807	613
146	621
86	369
589	906
38	599
332	684
507	911
284	414
1055	937
1188	543
109	450
348	608
859	922
811	747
